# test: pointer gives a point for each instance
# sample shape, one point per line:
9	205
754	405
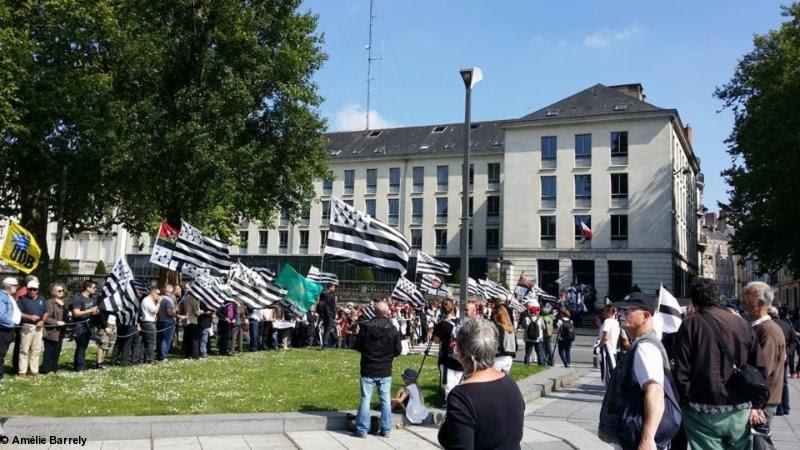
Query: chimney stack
687	131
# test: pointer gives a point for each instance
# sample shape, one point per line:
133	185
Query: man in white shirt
148	313
608	340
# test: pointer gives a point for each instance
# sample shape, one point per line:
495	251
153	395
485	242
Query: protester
608	342
189	312
84	310
534	338
165	323
791	345
148	316
379	343
54	332
549	335
566	334
507	339
714	417
106	336
410	397
8	319
226	315
284	323
326	308
205	321
757	300
450	370
642	388
34	314
487	409
254	321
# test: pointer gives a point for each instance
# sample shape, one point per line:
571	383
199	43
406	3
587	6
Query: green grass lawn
275	381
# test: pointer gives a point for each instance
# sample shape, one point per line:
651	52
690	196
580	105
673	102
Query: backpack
567	331
533	333
452	350
622	413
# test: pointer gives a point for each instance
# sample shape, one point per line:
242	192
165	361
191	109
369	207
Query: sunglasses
33	289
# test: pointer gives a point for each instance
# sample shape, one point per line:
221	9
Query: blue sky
533	53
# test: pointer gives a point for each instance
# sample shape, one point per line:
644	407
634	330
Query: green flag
300	291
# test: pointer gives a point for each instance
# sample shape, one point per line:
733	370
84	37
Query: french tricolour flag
585	230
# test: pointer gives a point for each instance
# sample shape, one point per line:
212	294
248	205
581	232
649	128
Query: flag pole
322	256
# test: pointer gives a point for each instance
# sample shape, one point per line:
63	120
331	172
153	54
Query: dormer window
439	129
620	107
552	112
374	134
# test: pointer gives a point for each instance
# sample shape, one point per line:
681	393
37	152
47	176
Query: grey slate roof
594	101
486	137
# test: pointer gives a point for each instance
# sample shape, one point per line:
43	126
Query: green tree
763	95
100	268
365	274
64	267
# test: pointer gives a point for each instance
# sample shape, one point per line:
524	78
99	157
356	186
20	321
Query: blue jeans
564	349
384	395
165	339
205	336
255	335
81	344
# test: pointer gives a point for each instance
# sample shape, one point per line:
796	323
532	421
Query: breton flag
252	288
475	290
196	253
356	238
586	232
405	291
368	313
668	317
164	246
524	286
119	295
428	264
265	273
142	287
433	285
323	278
494	290
208	292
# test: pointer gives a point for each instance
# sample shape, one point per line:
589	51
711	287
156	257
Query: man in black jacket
326	308
379	343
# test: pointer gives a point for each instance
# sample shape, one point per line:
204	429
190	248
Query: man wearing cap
7	319
379	343
410	397
33	309
84	311
714	417
644	379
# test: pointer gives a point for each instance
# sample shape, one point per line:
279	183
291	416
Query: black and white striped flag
208	292
195	253
475	290
252	288
405	291
668	317
119	295
357	238
495	290
433	285
368	313
142	287
428	264
265	273
323	278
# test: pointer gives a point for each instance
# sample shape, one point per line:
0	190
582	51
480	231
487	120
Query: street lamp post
471	77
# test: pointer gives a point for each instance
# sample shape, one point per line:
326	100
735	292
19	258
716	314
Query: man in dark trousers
378	342
326	308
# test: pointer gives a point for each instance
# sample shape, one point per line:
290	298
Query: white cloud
606	37
537	40
353	118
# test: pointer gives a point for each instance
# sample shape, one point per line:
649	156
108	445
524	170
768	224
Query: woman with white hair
486	410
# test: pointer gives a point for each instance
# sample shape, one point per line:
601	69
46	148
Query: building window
372	181
619	143
304	242
471	203
441	242
349	202
327	187
243	241
493	210
492	240
471	177
469	239
619	185
305	217
284	218
394	180
283	242
494	176
369	207
418	174
416	238
441	210
263	239
620	279
579	229
583	150
547	228
548	192
323	235
442	175
326	212
416	211
349	181
394	211
619	228
549	152
583	191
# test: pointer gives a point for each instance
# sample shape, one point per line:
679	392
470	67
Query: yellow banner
20	248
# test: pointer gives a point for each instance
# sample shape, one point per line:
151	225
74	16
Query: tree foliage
765	147
203	110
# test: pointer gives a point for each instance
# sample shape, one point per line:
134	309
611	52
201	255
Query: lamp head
471	76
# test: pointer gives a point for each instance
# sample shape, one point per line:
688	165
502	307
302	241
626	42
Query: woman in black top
486	410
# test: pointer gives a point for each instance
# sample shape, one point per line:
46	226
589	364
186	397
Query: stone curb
146	427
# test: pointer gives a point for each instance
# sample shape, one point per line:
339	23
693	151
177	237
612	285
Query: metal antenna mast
370	59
